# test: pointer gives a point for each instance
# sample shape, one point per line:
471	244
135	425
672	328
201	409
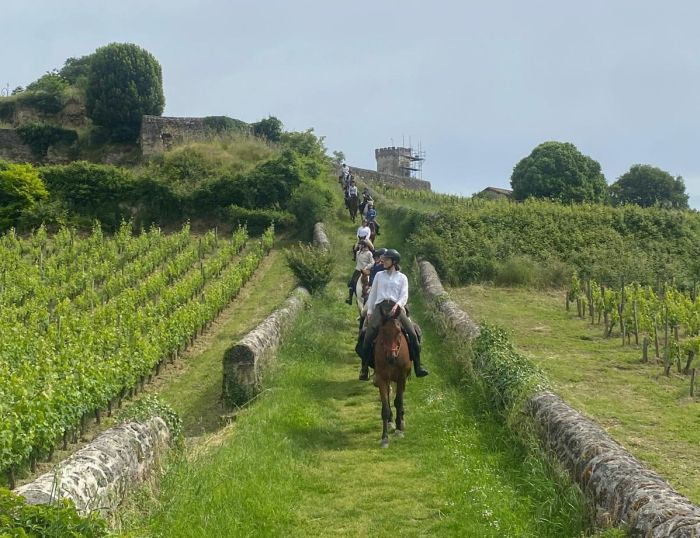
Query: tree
20	188
558	171
269	128
124	83
75	71
646	185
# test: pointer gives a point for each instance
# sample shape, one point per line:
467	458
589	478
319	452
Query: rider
363	232
378	264
352	189
371	215
389	287
363	264
366	197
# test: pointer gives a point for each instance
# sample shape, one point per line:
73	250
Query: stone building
395	161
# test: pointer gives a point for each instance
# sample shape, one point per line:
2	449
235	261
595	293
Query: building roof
504	192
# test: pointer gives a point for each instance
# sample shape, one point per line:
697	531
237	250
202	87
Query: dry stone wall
98	476
320	237
245	361
13	148
370	176
623	490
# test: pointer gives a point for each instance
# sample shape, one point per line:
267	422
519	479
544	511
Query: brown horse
372	230
392	364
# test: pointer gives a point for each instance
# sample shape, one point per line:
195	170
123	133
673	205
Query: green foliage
59	520
313	266
75	71
40	136
257	220
558	171
506	376
226	125
466	241
94	191
311	202
516	271
45	94
150	406
124	83
20	188
269	128
647	186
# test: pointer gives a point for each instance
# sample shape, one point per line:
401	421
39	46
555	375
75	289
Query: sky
477	84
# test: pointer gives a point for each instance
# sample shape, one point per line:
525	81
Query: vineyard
85	320
668	317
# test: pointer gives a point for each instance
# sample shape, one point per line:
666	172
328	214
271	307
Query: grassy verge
304	459
650	414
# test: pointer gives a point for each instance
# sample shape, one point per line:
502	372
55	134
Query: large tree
124	83
558	171
646	185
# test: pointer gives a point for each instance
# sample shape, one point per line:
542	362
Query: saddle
370	360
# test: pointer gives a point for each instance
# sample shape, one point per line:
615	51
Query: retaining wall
98	476
320	237
623	490
244	362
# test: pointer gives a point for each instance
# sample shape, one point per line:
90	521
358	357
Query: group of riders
380	288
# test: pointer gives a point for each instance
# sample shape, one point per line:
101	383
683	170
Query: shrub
40	136
516	271
269	128
124	83
96	191
45	94
150	406
17	518
311	203
226	125
257	220
20	188
313	266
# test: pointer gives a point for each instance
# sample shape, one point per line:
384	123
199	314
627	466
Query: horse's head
390	335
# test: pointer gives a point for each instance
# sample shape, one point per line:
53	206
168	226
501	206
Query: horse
392	363
372	230
351	204
362	288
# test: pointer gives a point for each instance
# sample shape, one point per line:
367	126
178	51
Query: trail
304	458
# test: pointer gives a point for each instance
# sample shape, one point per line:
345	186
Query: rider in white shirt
388	298
364	263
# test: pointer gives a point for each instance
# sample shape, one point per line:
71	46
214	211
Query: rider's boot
349	299
364	370
415	353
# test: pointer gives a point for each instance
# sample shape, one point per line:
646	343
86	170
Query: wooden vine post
636	322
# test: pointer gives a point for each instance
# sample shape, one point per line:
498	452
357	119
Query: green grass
653	416
304	458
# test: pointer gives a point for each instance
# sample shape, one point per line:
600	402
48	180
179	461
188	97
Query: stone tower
394	161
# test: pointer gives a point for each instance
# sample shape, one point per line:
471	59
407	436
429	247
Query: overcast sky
478	84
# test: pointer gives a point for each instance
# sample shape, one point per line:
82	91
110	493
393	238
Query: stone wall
320	237
622	489
159	133
370	176
98	476
245	361
13	148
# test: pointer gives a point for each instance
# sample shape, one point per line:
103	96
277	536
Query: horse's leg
398	404
386	412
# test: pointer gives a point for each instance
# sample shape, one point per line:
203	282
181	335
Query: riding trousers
353	279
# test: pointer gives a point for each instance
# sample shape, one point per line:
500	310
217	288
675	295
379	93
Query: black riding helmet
393	255
379	253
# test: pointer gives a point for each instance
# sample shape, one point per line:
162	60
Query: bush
20	188
313	266
226	125
257	220
517	271
45	94
40	136
310	203
149	407
95	191
269	128
17	518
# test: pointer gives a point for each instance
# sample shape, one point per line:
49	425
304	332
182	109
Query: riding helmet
379	252
393	255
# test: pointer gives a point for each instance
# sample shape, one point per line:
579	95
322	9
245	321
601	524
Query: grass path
650	414
304	458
